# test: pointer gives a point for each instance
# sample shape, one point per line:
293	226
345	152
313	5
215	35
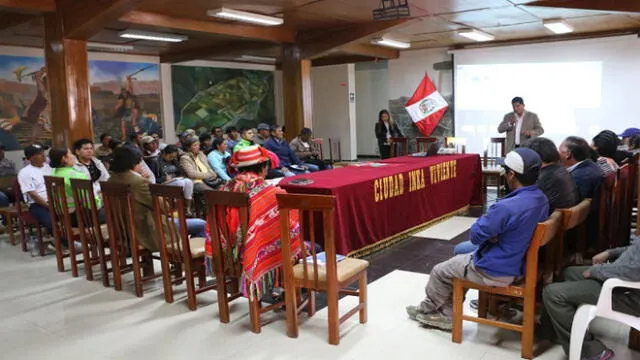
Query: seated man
246	139
263	134
31	179
288	158
575	155
233	137
305	152
7	178
503	235
261	253
582	285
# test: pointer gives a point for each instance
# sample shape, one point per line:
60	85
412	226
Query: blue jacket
512	222
216	160
282	149
588	178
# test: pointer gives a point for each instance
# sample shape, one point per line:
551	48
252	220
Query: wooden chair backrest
87	212
497	147
606	205
545	232
219	205
168	212
399	146
59	209
574	216
20	202
422	143
318	145
455	142
622	206
313	209
118	207
335	152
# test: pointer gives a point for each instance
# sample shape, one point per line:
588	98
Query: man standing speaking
520	125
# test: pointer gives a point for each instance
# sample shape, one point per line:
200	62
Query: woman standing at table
386	129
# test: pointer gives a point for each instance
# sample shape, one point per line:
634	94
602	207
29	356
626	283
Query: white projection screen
576	87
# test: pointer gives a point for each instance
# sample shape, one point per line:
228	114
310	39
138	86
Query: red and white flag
426	107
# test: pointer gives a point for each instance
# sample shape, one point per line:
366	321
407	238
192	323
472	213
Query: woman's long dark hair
55	157
384	111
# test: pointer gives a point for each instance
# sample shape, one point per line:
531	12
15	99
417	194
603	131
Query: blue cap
521	160
630	132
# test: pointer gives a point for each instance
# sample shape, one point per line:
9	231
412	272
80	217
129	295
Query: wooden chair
92	233
176	248
123	241
573	218
26	220
11	215
62	228
544	233
332	278
227	268
622	209
335	152
318	145
458	143
497	147
628	200
606	212
399	146
423	143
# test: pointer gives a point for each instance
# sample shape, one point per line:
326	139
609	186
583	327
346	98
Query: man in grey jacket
520	125
582	285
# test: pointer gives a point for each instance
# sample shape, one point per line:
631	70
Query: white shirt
574	166
388	129
518	126
31	178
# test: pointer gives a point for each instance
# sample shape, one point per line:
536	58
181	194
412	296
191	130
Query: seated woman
218	159
171	174
195	165
606	144
261	253
126	170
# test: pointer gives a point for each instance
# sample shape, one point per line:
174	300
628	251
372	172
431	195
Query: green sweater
69	173
243	143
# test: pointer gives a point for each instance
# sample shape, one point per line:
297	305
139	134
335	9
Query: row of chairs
400	145
115	248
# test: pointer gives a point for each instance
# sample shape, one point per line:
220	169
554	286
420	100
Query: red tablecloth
376	203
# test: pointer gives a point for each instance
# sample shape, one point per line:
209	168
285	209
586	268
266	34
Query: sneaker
413	311
435	320
474	304
606	354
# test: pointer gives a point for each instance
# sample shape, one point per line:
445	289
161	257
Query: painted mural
206	97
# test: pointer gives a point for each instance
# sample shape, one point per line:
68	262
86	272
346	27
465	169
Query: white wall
372	95
333	113
406	72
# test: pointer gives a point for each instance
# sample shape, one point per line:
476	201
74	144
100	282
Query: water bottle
33	243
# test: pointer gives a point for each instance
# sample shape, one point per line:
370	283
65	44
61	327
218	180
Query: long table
375	204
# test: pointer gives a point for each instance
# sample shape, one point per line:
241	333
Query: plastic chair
604	309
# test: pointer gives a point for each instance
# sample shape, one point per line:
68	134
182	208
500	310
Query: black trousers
385	151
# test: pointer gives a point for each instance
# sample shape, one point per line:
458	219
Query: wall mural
125	98
206	97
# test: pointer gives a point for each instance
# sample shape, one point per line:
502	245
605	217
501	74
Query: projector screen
575	87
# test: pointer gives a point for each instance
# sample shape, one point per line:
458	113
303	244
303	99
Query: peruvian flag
426	107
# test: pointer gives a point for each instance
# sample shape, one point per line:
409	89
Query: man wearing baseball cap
31	180
263	134
628	133
502	235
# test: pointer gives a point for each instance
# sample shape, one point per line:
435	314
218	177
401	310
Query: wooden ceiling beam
611	5
369	50
230	49
278	34
29	5
320	46
85	18
10	20
339	60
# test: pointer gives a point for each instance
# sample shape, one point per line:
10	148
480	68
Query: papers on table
321	258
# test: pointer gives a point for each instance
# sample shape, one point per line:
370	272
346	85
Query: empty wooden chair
545	232
423	143
332	277
176	248
459	143
573	218
318	145
497	147
61	221
92	232
227	265
399	146
123	241
335	152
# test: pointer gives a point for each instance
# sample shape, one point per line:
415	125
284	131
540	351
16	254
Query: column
296	90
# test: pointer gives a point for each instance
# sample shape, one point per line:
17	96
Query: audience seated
90	165
104	151
233	137
156	137
503	235
634	144
195	165
135	141
150	155
606	144
305	151
582	285
218	159
263	134
246	139
261	254
206	143
171	174
575	155
288	158
31	180
217	133
7	177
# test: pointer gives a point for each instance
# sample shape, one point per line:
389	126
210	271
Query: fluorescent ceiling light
245	16
110	47
558	26
391	43
476	35
257	58
152	36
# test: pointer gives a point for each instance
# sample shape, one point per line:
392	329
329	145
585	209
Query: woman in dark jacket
386	129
